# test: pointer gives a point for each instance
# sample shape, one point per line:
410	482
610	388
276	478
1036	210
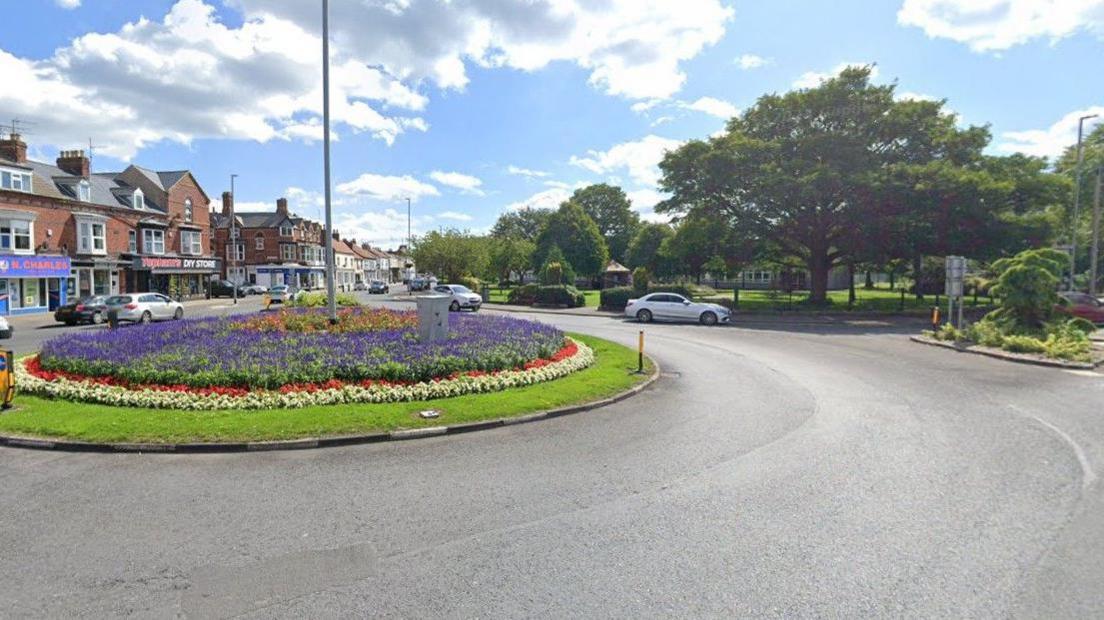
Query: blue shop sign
34	266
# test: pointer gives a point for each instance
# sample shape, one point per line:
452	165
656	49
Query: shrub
524	295
471	282
986	333
560	295
641	277
1084	326
1027	287
617	298
1023	344
949	333
318	299
1068	341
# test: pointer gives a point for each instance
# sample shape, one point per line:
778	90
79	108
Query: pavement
773	470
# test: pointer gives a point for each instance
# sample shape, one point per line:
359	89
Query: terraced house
271	248
66	231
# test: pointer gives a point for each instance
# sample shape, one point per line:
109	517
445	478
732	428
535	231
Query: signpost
954	286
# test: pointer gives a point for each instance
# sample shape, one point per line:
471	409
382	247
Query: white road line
1088	476
1085	373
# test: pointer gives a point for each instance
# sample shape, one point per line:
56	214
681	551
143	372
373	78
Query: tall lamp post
409	238
233	240
1077	197
330	292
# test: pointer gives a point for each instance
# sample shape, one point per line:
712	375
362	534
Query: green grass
866	300
38	417
499	295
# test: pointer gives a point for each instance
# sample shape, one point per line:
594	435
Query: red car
1081	305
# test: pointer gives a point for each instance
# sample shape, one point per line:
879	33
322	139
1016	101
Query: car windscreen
118	300
459	288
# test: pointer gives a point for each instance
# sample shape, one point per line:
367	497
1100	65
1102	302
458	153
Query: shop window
191	242
91	237
153	241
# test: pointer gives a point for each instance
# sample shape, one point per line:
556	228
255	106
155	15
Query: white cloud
547	199
752	61
994	25
455	216
631	48
644	202
639	158
68	4
527	172
190	76
812	79
643	106
463	182
909	95
1049	142
381	187
385	229
713	107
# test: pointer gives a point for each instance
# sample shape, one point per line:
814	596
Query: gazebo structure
615	275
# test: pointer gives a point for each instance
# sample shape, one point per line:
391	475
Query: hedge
617	298
560	295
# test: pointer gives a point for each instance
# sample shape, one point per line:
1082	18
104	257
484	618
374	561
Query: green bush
641	279
1069	341
617	298
471	282
1023	344
318	299
949	333
560	295
1084	326
1027	288
986	333
524	295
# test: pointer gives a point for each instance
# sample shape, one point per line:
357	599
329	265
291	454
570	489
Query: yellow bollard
7	379
640	354
935	317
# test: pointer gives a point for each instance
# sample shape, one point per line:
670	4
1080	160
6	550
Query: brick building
66	231
273	248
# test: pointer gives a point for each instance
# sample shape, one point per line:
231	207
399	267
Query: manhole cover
429	414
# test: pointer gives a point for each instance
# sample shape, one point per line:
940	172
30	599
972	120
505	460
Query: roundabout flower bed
296	359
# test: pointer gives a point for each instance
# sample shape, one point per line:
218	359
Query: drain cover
429	413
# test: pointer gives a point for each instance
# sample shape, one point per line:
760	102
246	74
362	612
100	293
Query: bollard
935	317
640	354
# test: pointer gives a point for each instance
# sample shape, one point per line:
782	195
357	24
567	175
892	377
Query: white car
144	307
254	289
5	328
462	297
672	307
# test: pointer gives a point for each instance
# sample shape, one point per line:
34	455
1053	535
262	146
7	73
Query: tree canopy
575	233
451	254
611	210
523	223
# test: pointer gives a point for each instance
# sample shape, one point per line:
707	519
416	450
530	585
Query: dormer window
84	191
138	199
15	180
187	209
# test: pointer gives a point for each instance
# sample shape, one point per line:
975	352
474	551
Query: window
132	241
191	242
18	181
287	252
259	242
153	241
235	252
91	237
84	191
139	201
285	230
187	209
15	235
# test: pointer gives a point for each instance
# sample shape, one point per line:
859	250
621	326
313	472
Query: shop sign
34	266
168	264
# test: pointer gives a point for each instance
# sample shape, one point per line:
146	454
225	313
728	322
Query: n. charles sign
175	264
34	266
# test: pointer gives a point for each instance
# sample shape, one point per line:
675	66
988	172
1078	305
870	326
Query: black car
84	310
225	288
378	287
419	284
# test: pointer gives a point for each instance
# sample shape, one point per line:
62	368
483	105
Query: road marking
1084	373
1088	476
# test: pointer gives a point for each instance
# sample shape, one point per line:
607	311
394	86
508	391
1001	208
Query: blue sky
476	107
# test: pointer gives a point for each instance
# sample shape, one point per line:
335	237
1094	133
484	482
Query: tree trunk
851	284
818	278
869	284
917	267
892	279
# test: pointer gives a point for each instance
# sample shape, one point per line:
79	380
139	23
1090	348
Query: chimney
336	236
227	203
281	206
14	148
75	163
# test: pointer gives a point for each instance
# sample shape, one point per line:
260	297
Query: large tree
525	223
451	254
571	229
611	210
510	256
643	250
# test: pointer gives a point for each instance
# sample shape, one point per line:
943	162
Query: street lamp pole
1077	198
409	238
233	239
330	276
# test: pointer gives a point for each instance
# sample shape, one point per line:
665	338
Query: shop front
95	277
179	277
30	284
295	276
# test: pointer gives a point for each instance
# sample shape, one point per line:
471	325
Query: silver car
673	307
462	297
144	307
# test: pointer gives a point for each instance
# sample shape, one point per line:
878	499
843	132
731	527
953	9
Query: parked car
5	328
279	294
144	307
462	297
253	289
672	307
378	287
419	284
225	288
1081	305
360	286
84	310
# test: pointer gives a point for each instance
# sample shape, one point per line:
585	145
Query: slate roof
106	189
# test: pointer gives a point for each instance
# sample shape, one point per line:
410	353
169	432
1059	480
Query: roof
341	246
261	219
170	178
616	267
107	190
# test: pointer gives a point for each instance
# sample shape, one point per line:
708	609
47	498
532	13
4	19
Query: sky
471	108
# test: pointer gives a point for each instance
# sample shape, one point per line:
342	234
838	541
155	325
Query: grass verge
57	419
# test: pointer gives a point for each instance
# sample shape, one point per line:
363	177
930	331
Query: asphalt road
815	471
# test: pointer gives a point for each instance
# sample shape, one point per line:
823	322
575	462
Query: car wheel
644	316
146	318
455	307
708	318
179	314
97	318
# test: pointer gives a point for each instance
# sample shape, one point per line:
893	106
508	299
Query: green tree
452	254
1027	287
643	251
556	269
510	255
698	238
577	236
525	223
611	210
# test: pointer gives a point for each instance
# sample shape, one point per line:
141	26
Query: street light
330	276
409	238
233	239
1077	197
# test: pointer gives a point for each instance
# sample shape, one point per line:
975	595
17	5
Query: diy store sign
169	264
34	266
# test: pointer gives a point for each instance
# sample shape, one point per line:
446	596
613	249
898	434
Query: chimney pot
75	163
281	206
14	149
